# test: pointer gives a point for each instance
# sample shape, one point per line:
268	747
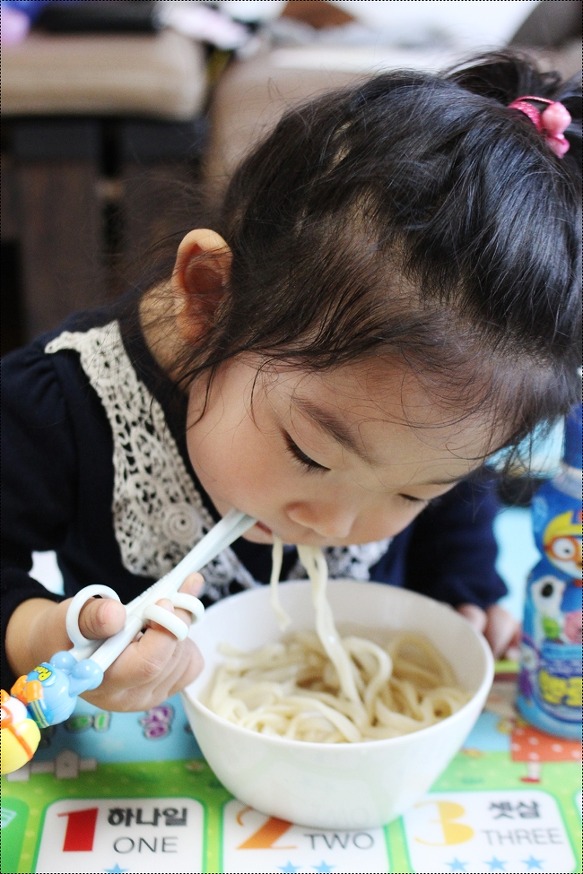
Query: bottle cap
574	437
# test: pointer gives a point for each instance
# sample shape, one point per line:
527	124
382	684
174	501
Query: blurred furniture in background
99	130
254	91
552	32
89	122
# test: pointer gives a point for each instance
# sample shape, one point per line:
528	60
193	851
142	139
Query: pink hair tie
551	121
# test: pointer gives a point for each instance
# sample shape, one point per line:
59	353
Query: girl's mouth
260	533
264	528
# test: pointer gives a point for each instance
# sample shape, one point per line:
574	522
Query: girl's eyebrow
334	426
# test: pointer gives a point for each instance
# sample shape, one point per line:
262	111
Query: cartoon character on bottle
552	631
557	599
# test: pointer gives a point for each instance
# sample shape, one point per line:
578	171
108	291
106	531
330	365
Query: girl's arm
38	486
449	553
56	489
454	549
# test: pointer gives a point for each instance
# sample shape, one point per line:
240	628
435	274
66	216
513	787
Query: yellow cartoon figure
562	543
20	734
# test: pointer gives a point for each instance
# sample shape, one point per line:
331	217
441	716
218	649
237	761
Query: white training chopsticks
144	607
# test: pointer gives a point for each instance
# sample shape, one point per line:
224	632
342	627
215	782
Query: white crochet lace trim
157	511
352	562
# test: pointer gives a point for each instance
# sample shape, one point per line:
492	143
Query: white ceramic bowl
335	786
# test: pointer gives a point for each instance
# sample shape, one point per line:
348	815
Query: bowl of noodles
334	706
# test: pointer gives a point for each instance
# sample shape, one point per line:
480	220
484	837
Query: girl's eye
426	502
297	454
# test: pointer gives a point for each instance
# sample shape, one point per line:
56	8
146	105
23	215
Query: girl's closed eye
301	457
426	502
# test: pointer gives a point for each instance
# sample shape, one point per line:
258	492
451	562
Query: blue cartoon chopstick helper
50	690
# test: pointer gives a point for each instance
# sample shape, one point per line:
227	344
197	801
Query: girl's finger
193	584
101	618
158	652
474	614
191	587
502	631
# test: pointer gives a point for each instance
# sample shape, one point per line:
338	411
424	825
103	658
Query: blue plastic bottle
549	683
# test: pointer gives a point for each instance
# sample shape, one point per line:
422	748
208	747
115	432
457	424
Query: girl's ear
201	271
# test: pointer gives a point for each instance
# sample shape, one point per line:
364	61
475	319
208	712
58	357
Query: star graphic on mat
531	863
457	865
496	864
289	868
324	867
116	870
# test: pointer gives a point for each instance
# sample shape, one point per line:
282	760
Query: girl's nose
326	520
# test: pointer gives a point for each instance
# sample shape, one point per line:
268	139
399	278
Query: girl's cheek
381	524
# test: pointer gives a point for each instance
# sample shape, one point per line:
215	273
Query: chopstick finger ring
168	620
189	603
75	607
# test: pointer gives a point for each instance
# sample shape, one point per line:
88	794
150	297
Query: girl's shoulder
37	374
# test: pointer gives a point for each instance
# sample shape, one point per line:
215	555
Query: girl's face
327	459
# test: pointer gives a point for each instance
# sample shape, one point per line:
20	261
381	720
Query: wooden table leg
60	218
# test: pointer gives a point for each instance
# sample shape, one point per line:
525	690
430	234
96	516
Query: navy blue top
59	485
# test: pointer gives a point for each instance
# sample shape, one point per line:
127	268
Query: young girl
390	296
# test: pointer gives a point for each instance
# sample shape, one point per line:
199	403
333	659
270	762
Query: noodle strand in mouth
317	686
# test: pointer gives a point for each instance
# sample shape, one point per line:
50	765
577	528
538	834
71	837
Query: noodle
316	686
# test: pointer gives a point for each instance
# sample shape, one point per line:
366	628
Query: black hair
414	216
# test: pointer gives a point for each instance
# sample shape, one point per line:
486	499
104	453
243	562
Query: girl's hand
499	627
151	669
